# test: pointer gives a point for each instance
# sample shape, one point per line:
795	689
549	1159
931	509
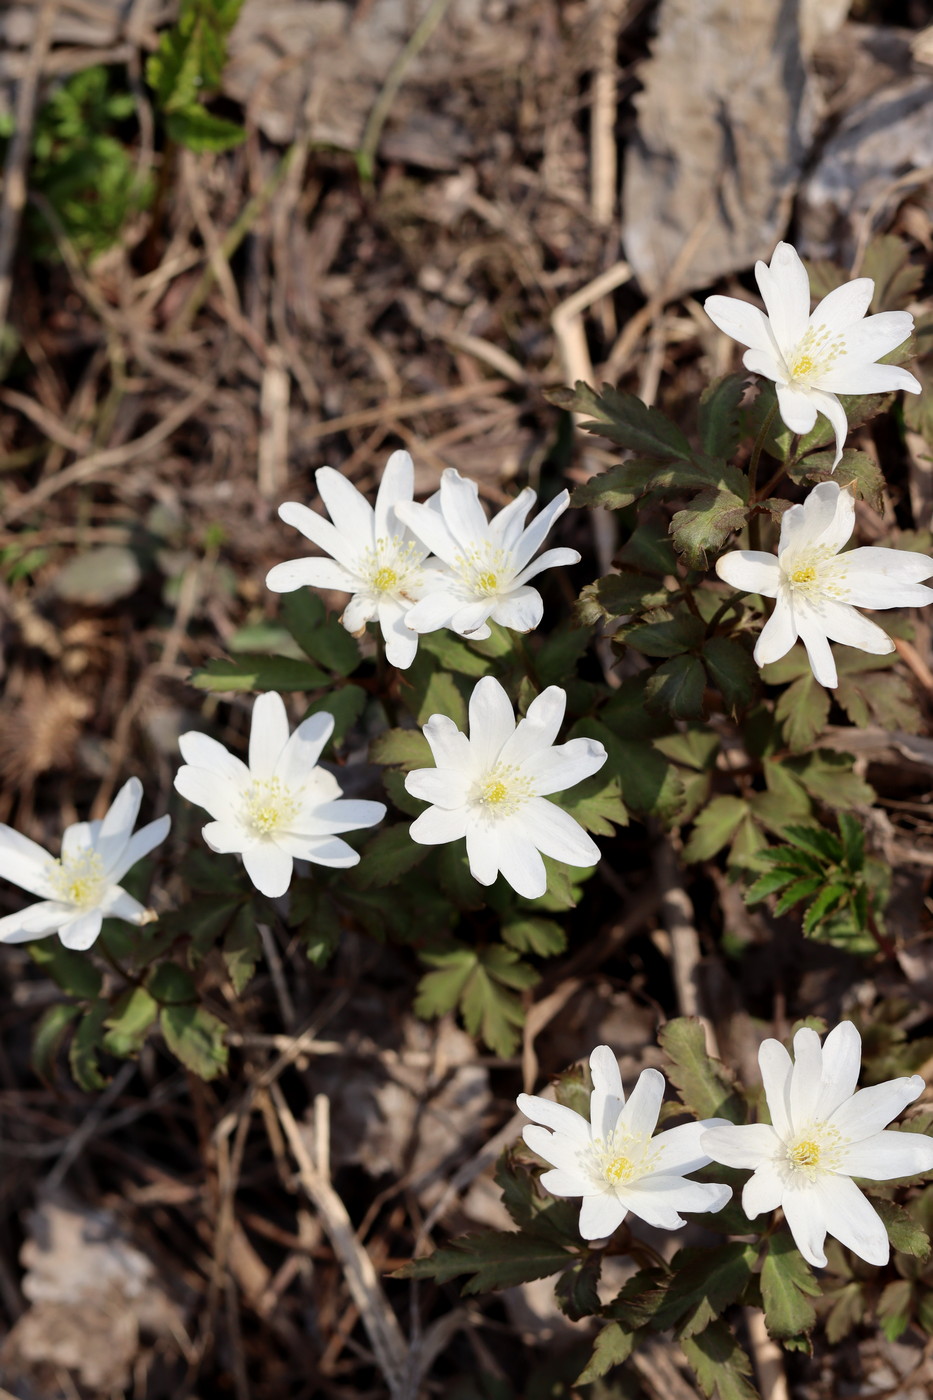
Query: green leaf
905	1234
828	776
242	948
665	637
718	418
303	613
171	984
346	704
496	1259
897	278
619	595
489	1009
406	747
677	688
454	654
828	899
48	1037
703	527
612	1346
817	840
649	549
715	827
705	1283
196	1038
596	804
704	1084
855	468
732	672
535	935
129	1021
245	672
803	710
558	657
86	1043
576	1292
787	1285
800	889
386	857
74	972
624	419
334	648
768	883
852	834
847	1311
884	698
199	130
895	1308
426	691
720	1364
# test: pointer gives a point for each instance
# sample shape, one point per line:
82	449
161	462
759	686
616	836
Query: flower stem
754	524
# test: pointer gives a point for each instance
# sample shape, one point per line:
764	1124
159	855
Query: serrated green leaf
406	747
496	1259
784	799
883	698
74	972
196	1038
557	657
242	948
715	827
624	419
702	528
619	595
664	637
703	1083
905	1233
427	691
344	704
542	1215
829	777
855	468
852	835
817	840
171	985
895	1308
800	889
535	935
718	416
787	1285
129	1022
847	1311
282	673
303	613
677	688
48	1037
576	1292
897	278
705	1282
732	672
454	654
612	1346
386	857
720	1364
648	550
199	130
828	899
86	1043
803	710
768	883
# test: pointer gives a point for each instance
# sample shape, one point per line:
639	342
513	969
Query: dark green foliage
187	67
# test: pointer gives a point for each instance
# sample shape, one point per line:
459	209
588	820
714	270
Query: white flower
283	807
817	589
82	887
812	358
374	556
613	1161
823	1134
485	565
492	787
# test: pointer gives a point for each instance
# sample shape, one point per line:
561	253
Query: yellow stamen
620	1169
487	583
805	574
802	367
805	1154
494	792
385	580
80	880
269	807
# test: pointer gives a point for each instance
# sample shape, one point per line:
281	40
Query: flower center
619	1169
805	1154
814	574
501	791
79	880
805	574
815	1152
487	583
619	1158
268	808
392	566
485	571
814	355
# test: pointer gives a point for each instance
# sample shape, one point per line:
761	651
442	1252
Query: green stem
754	525
366	155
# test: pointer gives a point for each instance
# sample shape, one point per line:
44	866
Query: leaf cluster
187	67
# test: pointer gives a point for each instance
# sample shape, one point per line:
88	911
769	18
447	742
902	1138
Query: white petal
819	653
80	932
558	1150
877	335
798	409
776	1069
397	484
556	1116
746	1145
848	378
851	1219
540	726
885	578
532	539
806	1078
36	921
763	1191
830	406
563	1183
400	641
521	611
557	834
870	1110
78	839
434	611
826	521
778	634
601	1216
298	758
844	305
469	620
24	863
550	559
348	508
225	838
201	751
843	624
518	859
320	532
311	573
345	814
842	1060
888	1155
216	794
751	571
268	734
658	1199
805	1214
505	528
744	322
445	787
449	745
436	827
679	1148
492	722
117	826
785	290
608	1096
117	904
324	850
361	608
145	840
430	528
269	868
559	768
483	850
765	362
462	512
639	1117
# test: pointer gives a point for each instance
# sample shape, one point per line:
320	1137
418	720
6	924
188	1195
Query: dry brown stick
677	915
603	156
13	196
382	1326
51	426
405	408
767	1357
110	457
